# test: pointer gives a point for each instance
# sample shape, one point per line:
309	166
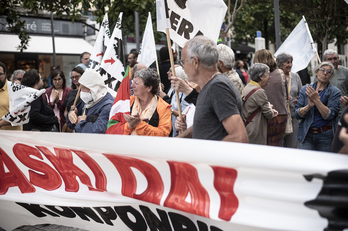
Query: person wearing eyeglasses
317	107
56	95
76	74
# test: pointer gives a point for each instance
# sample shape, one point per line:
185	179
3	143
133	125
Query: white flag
21	98
100	44
191	18
148	53
111	68
300	45
162	15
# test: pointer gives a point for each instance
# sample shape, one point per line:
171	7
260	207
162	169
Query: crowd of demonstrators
256	107
55	96
293	85
318	107
91	115
41	115
276	94
149	114
251	107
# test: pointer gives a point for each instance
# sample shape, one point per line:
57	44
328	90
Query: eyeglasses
57	80
334	58
75	77
182	61
326	71
2	74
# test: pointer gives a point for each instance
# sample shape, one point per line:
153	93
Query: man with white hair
219	105
341	72
340	79
91	115
226	63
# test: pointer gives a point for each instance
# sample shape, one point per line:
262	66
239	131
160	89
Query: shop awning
243	49
43	45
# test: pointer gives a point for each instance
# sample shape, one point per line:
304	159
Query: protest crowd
265	104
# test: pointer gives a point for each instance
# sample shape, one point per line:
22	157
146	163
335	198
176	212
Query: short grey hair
329	52
226	55
257	70
150	78
282	58
204	49
325	64
15	74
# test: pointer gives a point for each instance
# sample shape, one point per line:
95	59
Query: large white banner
300	45
112	182
189	18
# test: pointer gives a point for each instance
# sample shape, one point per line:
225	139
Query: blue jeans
318	141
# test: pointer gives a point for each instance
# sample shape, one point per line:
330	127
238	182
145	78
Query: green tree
327	19
258	15
73	10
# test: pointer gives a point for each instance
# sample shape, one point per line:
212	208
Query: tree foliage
258	15
327	19
73	9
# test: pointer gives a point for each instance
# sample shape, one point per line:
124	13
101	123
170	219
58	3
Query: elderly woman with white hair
91	115
317	108
293	86
256	107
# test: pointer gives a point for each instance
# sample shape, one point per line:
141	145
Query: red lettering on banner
100	178
155	187
224	179
63	162
49	180
12	178
184	178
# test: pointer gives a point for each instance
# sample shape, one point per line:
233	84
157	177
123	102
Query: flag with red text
100	44
112	69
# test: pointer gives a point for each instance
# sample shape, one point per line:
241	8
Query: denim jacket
331	99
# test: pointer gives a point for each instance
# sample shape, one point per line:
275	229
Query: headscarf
92	80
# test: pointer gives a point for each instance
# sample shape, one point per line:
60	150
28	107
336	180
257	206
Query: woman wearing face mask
91	115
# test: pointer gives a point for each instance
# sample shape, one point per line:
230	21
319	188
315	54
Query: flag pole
310	37
158	74
318	56
173	69
77	96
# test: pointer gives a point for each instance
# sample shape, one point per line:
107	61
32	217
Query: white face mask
86	96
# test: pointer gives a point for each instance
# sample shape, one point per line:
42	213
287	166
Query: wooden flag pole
173	69
158	74
77	96
318	56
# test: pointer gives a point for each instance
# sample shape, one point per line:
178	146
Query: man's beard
2	83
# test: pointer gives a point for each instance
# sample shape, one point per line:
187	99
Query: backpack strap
251	117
